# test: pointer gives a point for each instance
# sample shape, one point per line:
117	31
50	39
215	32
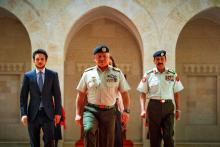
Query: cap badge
104	49
162	54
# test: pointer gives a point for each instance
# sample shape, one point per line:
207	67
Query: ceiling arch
104	12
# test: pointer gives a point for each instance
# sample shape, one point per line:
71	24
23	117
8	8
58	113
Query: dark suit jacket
51	90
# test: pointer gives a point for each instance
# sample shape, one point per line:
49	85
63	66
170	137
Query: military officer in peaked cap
101	84
161	86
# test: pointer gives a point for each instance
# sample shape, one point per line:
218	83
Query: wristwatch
127	110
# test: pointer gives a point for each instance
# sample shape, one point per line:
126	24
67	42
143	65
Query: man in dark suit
39	111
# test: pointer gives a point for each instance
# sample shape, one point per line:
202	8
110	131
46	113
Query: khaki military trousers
99	126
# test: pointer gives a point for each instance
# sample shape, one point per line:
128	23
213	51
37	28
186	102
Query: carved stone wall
12	68
10	81
202	100
202	93
15	59
199	67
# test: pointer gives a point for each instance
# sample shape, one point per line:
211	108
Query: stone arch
15	59
105	11
197	54
110	25
177	19
146	28
29	14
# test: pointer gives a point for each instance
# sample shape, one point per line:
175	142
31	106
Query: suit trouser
57	134
41	121
161	123
99	121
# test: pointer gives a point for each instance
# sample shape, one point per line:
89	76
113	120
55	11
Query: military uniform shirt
102	87
160	85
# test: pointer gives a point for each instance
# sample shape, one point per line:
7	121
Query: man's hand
57	119
24	120
143	114
178	114
124	117
78	120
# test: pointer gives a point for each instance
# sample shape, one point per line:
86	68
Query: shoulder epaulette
88	69
150	71
116	69
171	71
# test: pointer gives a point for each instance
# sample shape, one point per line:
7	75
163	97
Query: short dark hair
40	51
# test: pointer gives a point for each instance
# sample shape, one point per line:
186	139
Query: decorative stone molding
82	66
126	68
201	68
11	68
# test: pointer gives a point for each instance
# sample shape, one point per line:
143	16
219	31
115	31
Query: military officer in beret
160	87
102	84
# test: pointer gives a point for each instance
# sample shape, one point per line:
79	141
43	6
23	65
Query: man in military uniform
101	84
161	86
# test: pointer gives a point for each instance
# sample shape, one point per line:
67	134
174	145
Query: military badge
112	78
93	78
169	77
104	49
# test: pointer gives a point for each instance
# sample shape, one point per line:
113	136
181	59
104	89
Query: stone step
198	145
70	144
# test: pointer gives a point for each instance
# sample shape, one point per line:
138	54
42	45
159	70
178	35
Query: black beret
101	49
159	53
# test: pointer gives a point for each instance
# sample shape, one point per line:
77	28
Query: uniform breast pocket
169	85
154	85
154	88
112	84
93	83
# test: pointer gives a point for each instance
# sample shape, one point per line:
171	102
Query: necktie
40	81
40	84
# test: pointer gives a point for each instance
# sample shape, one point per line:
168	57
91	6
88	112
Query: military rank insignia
169	77
112	78
93	78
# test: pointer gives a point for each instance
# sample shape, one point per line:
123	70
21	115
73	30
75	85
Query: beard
41	66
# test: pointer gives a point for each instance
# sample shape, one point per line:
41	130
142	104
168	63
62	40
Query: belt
161	100
101	107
